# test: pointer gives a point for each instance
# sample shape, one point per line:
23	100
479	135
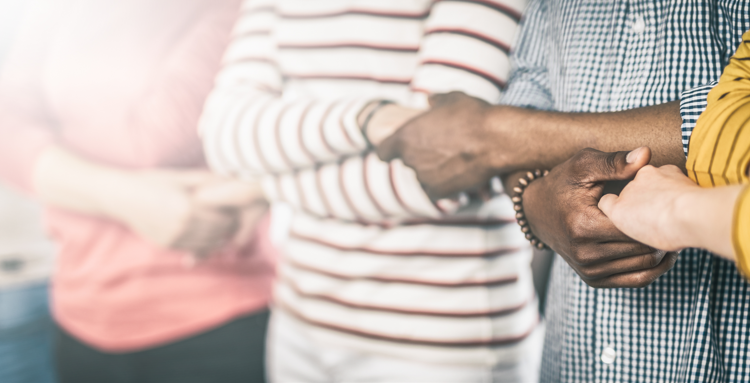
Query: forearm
272	135
360	188
546	139
705	217
64	180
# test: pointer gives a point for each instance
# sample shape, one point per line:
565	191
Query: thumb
607	203
390	148
438	99
615	166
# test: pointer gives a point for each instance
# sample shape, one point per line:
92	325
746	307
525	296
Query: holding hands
195	212
665	209
562	210
462	142
192	211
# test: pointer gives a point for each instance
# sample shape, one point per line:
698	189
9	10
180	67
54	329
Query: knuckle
650	261
610	161
576	232
643	279
581	256
585	155
647	171
591	273
598	284
671	168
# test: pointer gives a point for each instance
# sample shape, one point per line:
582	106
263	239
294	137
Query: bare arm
664	209
550	138
159	205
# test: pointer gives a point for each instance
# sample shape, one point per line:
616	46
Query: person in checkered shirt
610	76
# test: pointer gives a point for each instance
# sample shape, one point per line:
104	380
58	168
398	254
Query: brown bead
522	222
538	173
534	242
518	190
517	207
530	176
540	246
529	236
517	199
523	182
519	215
525	229
546	172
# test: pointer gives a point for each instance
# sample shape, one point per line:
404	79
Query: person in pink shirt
164	270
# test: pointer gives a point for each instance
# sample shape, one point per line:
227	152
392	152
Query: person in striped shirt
667	210
378	283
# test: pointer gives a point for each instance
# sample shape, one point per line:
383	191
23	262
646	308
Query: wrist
524	183
386	119
705	216
687	209
115	191
540	139
520	127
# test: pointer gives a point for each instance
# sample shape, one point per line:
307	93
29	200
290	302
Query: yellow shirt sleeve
719	151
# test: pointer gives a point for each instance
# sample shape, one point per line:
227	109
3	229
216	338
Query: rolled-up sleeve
692	104
529	86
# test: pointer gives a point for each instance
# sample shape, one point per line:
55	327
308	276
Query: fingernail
633	155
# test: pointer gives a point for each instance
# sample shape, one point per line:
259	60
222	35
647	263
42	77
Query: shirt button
609	355
639	25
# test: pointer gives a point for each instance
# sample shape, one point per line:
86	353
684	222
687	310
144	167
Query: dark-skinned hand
562	210
446	146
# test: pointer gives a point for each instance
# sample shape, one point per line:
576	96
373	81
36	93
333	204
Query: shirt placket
612	336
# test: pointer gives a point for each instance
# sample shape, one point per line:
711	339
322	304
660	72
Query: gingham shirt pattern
595	56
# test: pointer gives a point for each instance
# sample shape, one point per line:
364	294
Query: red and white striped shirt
371	261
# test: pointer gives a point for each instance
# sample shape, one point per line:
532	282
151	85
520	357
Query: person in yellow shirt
665	209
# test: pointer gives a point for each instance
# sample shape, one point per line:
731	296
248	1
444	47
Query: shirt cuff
527	94
692	103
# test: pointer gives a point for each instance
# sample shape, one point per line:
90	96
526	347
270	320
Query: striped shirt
720	144
601	56
371	262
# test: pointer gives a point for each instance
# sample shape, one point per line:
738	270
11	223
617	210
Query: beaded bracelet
366	122
517	199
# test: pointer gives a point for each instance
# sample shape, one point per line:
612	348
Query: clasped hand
562	210
452	149
194	212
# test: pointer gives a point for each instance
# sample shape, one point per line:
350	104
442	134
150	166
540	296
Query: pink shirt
123	83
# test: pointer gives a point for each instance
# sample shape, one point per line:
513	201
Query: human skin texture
663	208
462	142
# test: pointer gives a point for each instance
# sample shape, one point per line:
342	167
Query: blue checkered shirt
599	56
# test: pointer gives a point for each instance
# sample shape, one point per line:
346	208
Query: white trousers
295	357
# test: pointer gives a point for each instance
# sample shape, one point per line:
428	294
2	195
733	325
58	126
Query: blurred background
26	328
11	12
